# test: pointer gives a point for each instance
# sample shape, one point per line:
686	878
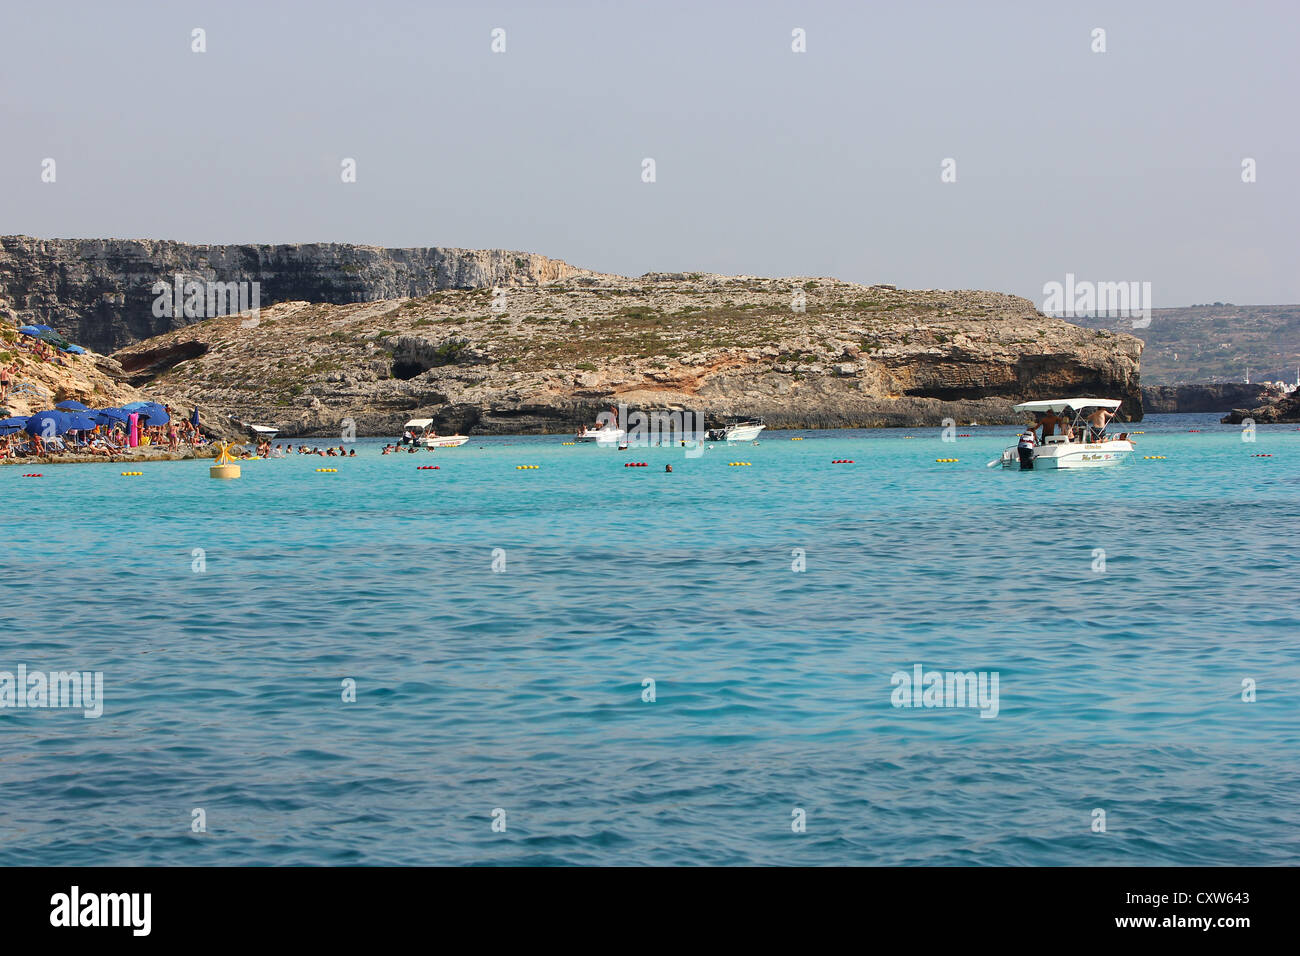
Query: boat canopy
419	423
264	430
1061	404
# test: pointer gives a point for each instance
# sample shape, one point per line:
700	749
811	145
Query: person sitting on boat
1025	449
1097	423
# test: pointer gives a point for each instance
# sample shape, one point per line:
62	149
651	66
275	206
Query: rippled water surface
522	689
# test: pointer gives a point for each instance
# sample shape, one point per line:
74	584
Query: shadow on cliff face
415	356
141	368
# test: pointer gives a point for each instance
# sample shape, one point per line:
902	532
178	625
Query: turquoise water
521	689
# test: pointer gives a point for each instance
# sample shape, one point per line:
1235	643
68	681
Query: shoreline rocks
1166	399
140	456
1285	411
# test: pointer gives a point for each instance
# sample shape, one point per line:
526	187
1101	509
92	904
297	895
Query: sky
1116	166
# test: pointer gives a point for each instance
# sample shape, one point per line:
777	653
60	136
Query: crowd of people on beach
103	440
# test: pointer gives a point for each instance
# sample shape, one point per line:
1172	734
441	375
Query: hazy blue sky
1123	165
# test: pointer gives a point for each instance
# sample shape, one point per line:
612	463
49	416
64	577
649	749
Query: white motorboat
419	431
1079	443
737	431
602	433
264	432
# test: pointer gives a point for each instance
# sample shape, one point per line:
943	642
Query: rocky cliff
546	357
93	380
1286	409
99	292
1162	399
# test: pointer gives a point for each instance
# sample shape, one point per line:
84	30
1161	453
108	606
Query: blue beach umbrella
155	414
130	407
47	424
72	405
110	416
10	425
78	422
75	350
29	330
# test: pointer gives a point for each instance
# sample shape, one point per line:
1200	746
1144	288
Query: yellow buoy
526	467
224	466
947	459
127	474
328	470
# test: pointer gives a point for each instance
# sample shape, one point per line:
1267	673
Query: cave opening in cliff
406	369
142	368
412	357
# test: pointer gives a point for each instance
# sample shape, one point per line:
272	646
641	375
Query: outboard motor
1026	451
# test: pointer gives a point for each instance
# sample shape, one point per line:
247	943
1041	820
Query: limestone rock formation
99	292
1285	410
804	352
1165	399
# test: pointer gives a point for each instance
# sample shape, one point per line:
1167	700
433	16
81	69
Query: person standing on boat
1048	423
1026	449
1097	423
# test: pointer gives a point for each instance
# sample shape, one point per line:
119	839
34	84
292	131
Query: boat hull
603	436
744	432
1071	455
445	441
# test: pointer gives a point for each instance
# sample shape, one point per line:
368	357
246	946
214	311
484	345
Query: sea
846	650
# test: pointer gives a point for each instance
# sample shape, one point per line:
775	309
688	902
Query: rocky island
495	341
801	353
